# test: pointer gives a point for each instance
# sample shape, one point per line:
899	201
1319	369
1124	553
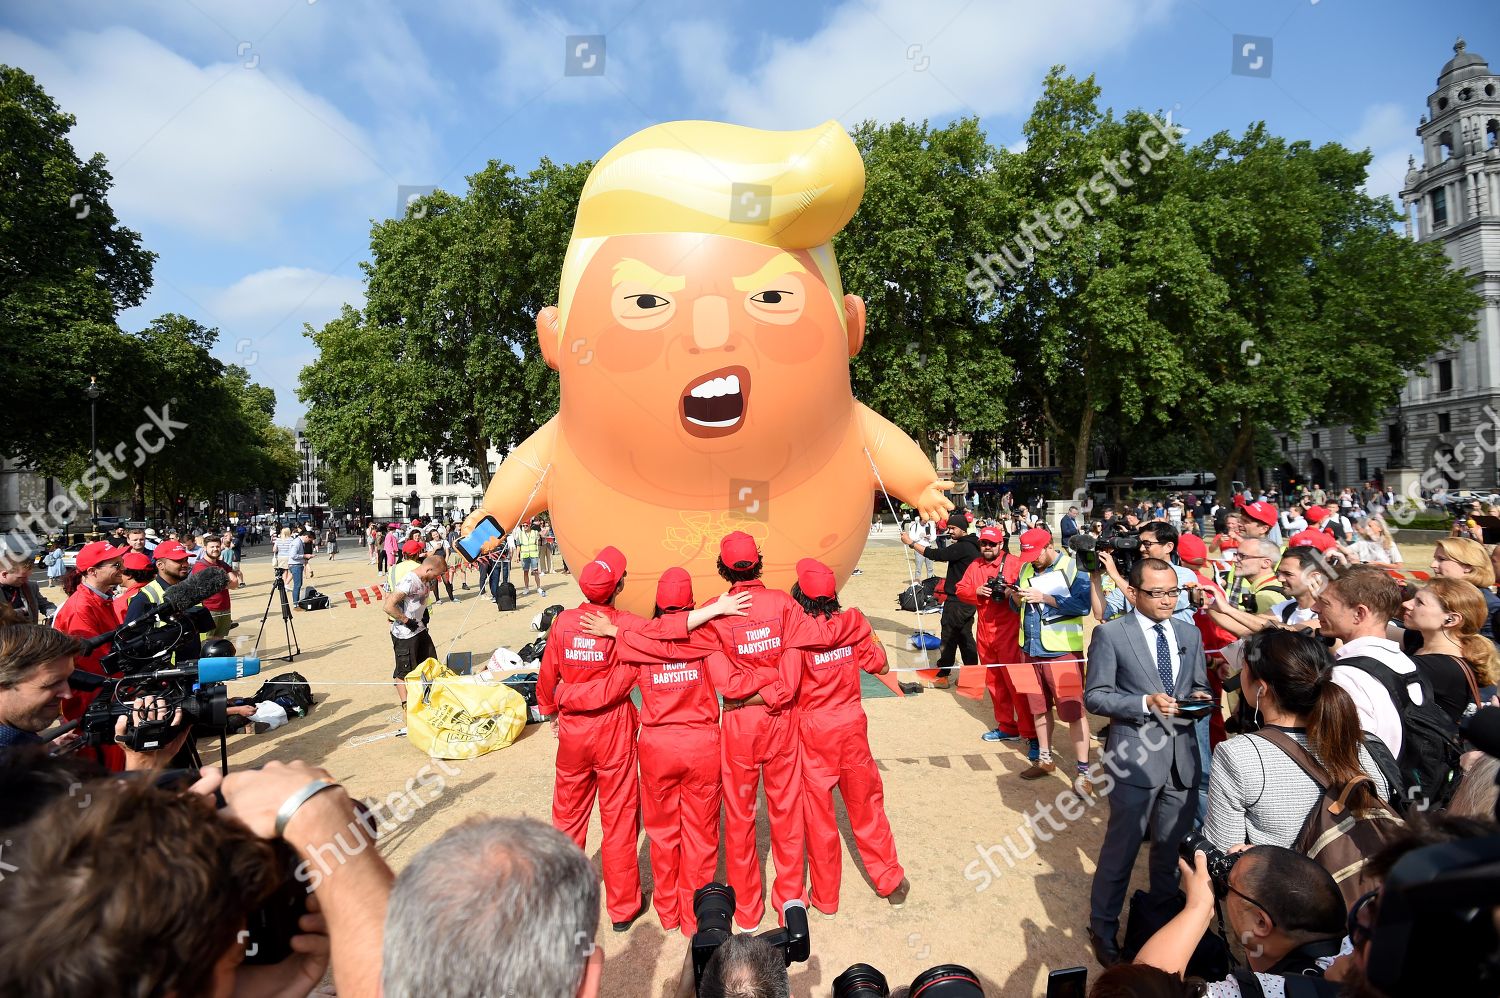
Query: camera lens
946	980
713	905
860	981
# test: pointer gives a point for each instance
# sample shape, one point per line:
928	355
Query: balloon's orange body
705	389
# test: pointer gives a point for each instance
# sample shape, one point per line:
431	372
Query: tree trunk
480	455
138	494
1079	474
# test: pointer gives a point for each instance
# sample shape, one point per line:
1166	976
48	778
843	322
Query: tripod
293	648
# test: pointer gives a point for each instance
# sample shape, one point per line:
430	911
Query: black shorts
412	652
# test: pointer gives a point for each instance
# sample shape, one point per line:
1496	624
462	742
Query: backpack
547	616
533	651
505	596
291	690
1430	747
917	599
1337	836
313	600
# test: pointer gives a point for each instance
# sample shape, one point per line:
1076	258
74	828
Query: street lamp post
93	391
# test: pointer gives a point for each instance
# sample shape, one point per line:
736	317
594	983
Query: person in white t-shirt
1356	608
410	638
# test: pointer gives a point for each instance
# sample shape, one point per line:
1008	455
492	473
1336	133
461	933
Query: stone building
1448	416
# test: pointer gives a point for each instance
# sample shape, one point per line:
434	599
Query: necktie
1163	659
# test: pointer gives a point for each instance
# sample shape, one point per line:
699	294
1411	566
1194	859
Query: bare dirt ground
1011	906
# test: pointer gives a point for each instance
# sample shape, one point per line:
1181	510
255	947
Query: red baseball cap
1319	539
738	550
943	523
816	579
413	547
170	551
136	560
602	576
1316	514
1191	549
992	535
1263	512
674	590
97	553
1032	542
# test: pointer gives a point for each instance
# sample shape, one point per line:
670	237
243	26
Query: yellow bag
449	716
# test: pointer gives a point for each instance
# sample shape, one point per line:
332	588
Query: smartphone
1070	983
472	544
1194	709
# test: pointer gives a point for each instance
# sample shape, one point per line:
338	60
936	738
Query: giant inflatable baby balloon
702	339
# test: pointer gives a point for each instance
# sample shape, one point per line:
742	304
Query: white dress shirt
1148	627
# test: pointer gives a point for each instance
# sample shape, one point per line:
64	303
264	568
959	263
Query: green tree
1100	274
67	268
443	362
930	362
1327	308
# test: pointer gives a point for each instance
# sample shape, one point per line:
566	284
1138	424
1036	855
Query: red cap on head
1032	542
738	551
170	551
816	579
97	553
602	576
674	590
1191	549
1319	539
992	535
1263	512
136	561
1316	514
413	547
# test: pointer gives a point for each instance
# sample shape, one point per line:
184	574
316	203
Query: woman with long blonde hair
1375	546
1455	658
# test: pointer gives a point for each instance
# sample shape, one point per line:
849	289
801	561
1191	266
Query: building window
1444	422
1317	440
1284	447
1445	375
492	467
1364	469
1439	208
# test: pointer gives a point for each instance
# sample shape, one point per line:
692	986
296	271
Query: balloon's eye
647	302
771	297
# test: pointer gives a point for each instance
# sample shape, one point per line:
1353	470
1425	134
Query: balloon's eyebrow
634	271
778	266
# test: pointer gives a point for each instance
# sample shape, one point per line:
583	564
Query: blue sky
253	141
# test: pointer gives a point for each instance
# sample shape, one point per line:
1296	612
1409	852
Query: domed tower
1452	195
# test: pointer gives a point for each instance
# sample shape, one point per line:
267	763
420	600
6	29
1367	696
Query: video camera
142	662
713	907
946	980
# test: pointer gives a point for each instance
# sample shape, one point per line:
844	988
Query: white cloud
282	292
886	59
1388	131
215	149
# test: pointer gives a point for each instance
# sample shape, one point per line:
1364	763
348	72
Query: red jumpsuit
679	754
999	639
761	741
596	751
835	746
87	614
1214	639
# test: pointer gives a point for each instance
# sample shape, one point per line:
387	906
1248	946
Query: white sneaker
541	592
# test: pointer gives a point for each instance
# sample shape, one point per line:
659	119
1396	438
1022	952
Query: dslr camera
1219	861
713	907
946	980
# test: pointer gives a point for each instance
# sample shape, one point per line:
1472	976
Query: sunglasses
1358	932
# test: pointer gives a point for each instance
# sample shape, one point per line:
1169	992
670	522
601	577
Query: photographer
1284	908
1156	540
495	906
35	663
958	616
1254	586
986	584
16	588
745	966
172	567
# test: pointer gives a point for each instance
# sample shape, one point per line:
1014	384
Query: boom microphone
223	669
1482	729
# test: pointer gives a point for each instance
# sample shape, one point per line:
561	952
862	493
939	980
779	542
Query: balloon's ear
854	320
548	335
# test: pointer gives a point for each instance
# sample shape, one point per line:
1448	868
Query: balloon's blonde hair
792	190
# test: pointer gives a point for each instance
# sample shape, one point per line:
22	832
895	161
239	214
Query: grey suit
1153	762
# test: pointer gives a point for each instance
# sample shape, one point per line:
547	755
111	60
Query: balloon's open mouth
714	405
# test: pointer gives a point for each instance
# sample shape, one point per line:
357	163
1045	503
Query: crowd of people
1248	685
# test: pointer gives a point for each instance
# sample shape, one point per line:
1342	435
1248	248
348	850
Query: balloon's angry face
710	341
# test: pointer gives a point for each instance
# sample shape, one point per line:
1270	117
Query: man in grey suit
1139	666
